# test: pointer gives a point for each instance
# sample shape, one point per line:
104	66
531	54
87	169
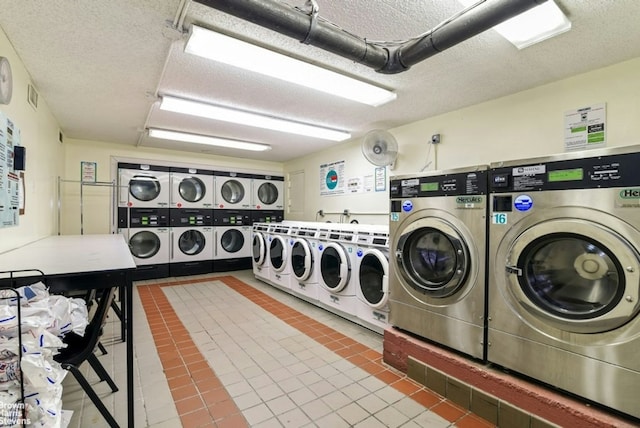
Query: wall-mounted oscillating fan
380	148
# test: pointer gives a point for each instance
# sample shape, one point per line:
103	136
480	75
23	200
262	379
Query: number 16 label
499	218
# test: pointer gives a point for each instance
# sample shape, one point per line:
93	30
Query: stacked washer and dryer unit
564	282
143	217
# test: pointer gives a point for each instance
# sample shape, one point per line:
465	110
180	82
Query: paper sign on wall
584	128
9	179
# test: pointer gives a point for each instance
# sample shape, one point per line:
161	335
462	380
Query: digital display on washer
575	174
429	187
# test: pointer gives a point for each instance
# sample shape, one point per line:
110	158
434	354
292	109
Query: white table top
64	254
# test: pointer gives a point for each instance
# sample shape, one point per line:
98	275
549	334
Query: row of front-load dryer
155	186
341	267
533	265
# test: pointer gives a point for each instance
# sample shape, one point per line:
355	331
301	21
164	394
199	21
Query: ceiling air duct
384	58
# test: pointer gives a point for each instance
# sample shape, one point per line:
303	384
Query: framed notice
88	172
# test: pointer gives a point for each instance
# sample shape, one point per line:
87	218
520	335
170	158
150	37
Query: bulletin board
10	184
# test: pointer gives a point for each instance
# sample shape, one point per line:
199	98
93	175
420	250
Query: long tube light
533	26
221	48
210	111
208	140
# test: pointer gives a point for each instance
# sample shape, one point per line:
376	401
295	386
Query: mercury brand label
529	170
470	202
630	193
628	198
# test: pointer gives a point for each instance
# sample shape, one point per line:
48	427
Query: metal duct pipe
299	25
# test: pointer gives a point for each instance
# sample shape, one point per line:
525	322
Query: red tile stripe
358	354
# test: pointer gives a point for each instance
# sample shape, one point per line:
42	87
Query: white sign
584	128
9	179
332	179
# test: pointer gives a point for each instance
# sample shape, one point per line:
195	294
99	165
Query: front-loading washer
232	235
232	190
279	247
303	260
147	233
371	275
192	242
191	188
564	278
337	253
438	257
143	185
260	251
267	192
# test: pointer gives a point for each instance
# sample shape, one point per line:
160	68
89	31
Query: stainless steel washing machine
143	186
191	188
233	190
564	277
260	251
147	233
267	192
192	241
232	235
437	263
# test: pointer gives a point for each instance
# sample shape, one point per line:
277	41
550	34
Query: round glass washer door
144	187
191	242
334	267
277	253
433	260
301	259
192	189
144	245
232	191
268	193
374	278
232	241
258	249
583	281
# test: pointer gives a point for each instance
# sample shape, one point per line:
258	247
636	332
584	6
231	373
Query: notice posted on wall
9	179
332	179
584	128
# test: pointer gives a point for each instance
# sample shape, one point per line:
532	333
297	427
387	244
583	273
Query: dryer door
144	187
433	258
191	189
373	278
334	267
259	249
267	193
278	253
144	244
232	241
575	275
301	259
191	242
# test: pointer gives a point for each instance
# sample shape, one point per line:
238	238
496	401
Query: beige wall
44	156
526	124
96	201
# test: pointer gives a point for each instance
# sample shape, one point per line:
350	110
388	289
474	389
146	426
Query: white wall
96	212
44	157
522	125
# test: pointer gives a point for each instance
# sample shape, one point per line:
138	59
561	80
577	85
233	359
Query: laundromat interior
203	232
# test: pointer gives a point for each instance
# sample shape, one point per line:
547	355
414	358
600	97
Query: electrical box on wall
19	158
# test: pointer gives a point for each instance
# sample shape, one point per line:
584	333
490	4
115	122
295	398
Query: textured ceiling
100	66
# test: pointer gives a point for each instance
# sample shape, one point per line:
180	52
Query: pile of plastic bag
45	319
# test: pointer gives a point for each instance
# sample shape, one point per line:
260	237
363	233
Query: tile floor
230	351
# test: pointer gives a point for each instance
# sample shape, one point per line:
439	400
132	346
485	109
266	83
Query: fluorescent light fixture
535	25
210	111
208	140
234	52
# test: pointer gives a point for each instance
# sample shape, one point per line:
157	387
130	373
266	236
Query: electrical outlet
435	139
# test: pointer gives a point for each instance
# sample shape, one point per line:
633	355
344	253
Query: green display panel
428	187
575	174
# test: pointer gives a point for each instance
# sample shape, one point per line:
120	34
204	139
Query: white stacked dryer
371	276
267	192
191	188
232	190
192	243
337	253
260	251
232	236
304	261
143	186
